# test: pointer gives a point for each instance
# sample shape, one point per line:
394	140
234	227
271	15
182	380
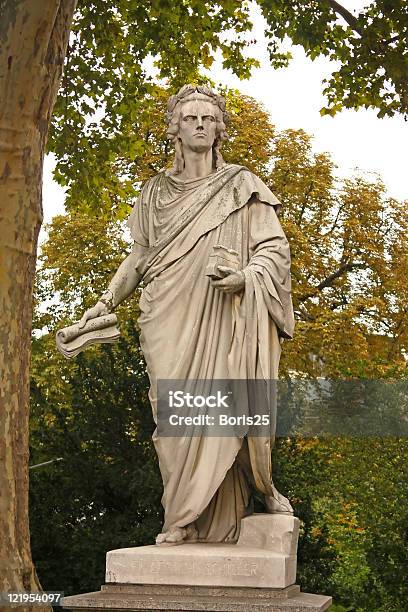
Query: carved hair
174	105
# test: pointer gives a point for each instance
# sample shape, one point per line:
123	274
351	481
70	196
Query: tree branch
334	225
329	280
353	21
391	40
347	16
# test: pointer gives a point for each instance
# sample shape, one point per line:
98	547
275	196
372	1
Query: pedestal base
257	574
163	598
201	565
264	556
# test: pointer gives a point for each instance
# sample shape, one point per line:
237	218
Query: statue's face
198	125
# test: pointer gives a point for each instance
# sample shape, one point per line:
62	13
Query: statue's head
196	119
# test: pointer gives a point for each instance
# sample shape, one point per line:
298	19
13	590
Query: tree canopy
370	49
108	93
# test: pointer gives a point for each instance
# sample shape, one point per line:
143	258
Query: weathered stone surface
265	556
168	589
276	532
162	598
201	564
215	266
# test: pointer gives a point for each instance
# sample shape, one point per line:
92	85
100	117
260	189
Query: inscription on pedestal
191	568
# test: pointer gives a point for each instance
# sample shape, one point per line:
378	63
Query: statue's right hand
96	311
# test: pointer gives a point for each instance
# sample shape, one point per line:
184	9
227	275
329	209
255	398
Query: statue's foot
277	503
191	533
172	537
160	538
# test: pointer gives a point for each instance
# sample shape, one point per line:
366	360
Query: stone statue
216	303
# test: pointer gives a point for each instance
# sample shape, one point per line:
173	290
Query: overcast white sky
293	98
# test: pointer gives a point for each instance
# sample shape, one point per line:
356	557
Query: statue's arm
267	241
269	264
126	278
122	285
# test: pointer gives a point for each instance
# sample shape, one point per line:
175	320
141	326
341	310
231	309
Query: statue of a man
227	325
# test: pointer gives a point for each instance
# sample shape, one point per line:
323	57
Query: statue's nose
200	122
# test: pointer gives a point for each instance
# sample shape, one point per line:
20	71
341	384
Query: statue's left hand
233	281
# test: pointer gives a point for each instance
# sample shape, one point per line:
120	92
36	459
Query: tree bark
33	41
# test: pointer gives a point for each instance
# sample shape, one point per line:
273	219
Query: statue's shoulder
243	173
250	185
156	178
150	184
235	168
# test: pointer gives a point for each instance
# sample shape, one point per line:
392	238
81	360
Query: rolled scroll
73	339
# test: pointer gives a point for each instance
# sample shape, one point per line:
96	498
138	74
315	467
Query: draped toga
191	330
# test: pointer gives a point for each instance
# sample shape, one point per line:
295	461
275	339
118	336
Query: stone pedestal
264	556
257	573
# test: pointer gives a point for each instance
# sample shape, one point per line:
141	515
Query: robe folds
191	330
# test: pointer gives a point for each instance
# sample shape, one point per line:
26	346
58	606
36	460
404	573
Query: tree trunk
33	41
